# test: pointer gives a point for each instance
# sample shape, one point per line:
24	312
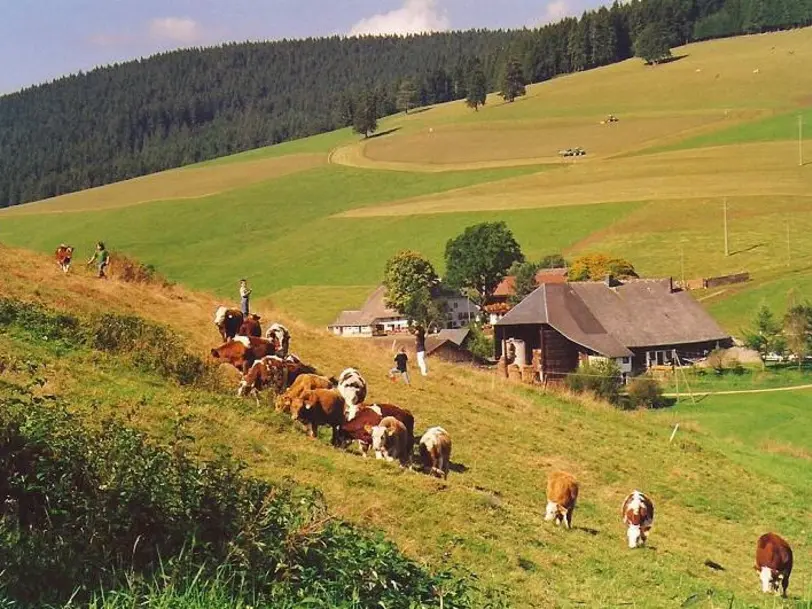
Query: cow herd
388	430
313	400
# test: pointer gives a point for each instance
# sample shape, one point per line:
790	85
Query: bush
601	378
41	322
645	392
132	271
480	344
82	508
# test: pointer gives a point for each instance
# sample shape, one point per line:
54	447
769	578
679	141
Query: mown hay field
715	494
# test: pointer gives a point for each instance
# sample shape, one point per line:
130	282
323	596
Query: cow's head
635	536
380	436
770	580
554	512
215	353
300	408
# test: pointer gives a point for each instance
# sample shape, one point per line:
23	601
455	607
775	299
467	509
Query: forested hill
177	108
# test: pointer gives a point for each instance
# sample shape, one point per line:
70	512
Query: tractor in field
572	152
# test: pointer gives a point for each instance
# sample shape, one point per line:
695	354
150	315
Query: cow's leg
568	518
314	430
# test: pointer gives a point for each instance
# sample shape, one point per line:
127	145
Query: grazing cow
320	407
228	322
371	415
303	382
64	255
279	335
250	327
435	452
242	351
638	514
773	563
389	440
353	389
272	371
562	494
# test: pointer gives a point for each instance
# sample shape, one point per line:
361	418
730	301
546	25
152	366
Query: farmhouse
376	319
499	303
639	324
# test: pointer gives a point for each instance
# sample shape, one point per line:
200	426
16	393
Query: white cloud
181	30
414	17
556	10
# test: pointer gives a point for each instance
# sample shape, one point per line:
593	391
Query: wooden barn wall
559	355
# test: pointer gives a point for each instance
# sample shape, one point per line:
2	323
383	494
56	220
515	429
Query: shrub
80	508
601	378
480	344
132	271
645	392
40	322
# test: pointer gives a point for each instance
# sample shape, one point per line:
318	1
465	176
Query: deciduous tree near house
765	334
798	331
410	281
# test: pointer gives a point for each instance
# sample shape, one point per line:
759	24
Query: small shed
450	345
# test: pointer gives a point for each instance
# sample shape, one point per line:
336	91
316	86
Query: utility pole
789	250
800	140
724	208
682	262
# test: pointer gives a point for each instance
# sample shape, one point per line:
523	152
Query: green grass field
715	486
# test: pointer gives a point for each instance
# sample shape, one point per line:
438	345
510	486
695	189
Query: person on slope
103	257
420	347
400	368
245	293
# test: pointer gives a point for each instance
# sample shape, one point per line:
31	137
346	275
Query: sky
43	39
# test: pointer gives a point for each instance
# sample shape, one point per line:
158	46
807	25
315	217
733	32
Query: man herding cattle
103	256
245	293
773	563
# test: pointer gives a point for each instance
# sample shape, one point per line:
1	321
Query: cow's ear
390	431
368	428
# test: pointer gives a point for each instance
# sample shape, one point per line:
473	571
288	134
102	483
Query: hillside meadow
715	490
311	222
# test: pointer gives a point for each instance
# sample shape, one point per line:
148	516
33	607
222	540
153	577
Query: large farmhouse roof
374	308
612	320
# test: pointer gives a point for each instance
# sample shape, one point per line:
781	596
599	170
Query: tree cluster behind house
186	106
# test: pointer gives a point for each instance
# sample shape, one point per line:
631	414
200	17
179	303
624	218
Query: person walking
245	293
103	256
420	347
400	369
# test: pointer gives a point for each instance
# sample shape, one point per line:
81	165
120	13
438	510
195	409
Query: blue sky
43	39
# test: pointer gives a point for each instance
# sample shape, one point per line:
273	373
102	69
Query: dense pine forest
186	106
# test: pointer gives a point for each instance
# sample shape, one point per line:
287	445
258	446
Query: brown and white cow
320	407
251	327
562	495
242	351
228	322
64	255
303	382
371	415
435	452
272	372
280	336
353	389
390	440
638	514
773	563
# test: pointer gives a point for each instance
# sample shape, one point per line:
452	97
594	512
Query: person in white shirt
245	292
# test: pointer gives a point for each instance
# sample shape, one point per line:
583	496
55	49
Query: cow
320	407
279	335
390	440
638	514
251	327
64	255
773	563
272	371
562	494
435	452
371	415
303	382
353	389
228	322
242	351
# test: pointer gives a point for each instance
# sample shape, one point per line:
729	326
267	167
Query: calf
562	493
353	388
389	440
303	382
774	563
435	452
321	407
64	255
279	335
242	351
274	372
228	322
357	429
638	515
251	327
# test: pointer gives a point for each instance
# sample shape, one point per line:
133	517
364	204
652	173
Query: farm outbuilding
639	324
450	345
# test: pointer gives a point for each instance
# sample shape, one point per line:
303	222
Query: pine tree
407	95
513	83
652	44
365	120
477	87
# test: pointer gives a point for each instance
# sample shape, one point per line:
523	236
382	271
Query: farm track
741	391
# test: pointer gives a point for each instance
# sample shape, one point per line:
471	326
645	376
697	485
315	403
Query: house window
625	360
456	305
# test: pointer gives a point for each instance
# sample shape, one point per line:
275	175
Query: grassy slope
712	501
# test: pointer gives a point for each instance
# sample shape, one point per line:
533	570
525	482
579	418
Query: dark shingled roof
456	336
611	320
